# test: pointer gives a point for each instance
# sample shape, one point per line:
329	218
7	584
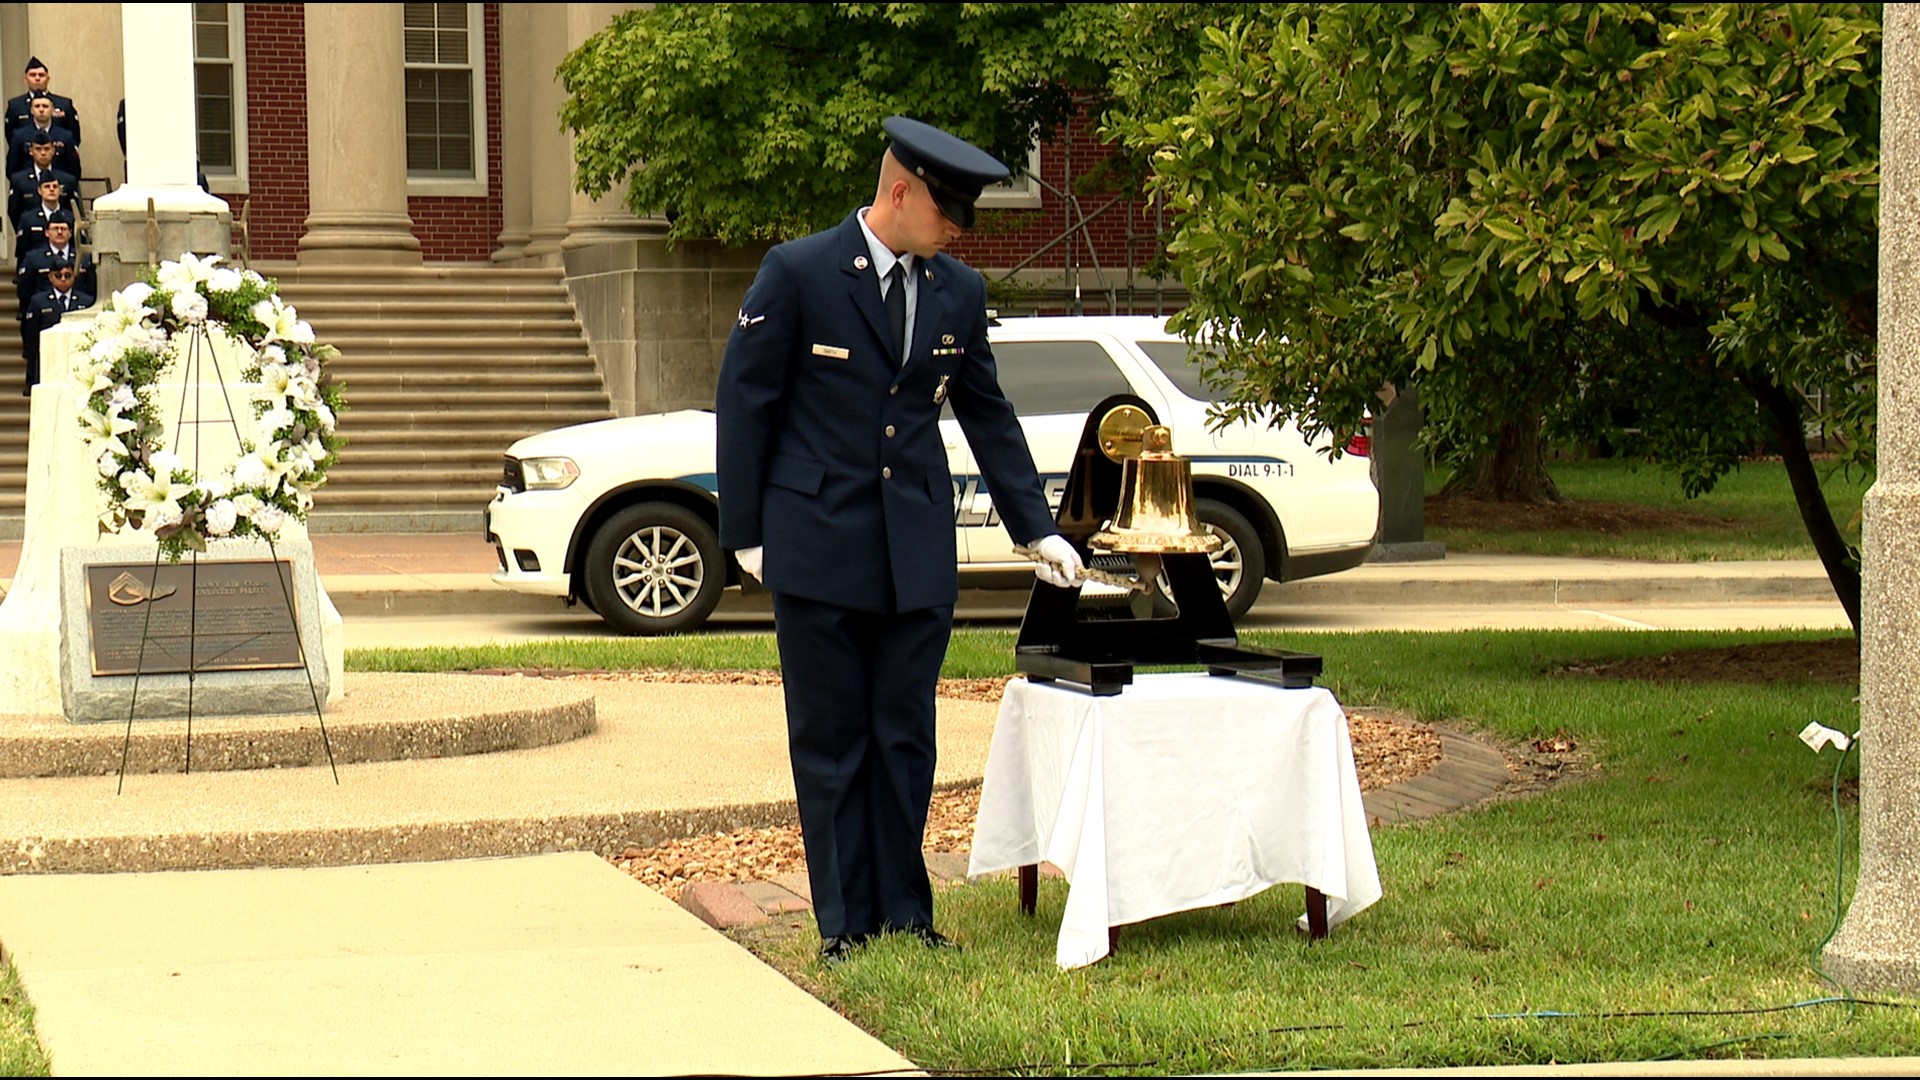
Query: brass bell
1156	499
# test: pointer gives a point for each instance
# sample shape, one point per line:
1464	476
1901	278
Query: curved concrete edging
388	717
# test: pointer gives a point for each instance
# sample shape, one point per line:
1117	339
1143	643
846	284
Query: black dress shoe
839	947
931	938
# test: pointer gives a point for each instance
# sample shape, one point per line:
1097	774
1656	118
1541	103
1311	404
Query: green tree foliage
762	121
1534	213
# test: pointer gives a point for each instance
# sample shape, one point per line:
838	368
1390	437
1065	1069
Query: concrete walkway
418	956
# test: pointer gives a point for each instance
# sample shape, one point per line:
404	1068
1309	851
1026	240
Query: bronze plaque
180	617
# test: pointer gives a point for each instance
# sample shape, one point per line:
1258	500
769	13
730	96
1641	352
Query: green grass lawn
1654	910
1754	503
1665	906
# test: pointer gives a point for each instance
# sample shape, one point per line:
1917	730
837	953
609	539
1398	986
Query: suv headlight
548	473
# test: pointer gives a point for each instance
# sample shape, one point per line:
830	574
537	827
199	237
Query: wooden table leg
1316	913
1029	887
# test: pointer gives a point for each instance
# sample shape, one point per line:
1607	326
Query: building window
443	54
1018	192
220	89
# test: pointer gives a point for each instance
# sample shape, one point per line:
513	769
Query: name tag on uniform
831	352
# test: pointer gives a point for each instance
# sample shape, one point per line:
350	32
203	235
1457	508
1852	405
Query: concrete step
520	398
327	312
372	380
488	419
502	323
551	343
415	459
401	440
361	475
402	496
350	366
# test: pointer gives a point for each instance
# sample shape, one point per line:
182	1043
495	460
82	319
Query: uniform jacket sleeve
748	399
993	432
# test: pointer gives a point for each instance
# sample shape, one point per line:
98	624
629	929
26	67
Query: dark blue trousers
860	730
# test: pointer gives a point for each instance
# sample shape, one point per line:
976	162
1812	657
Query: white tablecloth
1182	792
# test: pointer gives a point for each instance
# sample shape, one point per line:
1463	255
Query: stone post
160	212
356	137
1877	948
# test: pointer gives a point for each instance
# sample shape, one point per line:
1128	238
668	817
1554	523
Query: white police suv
622	513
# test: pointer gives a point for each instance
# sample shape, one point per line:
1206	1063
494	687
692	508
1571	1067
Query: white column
157	44
160	212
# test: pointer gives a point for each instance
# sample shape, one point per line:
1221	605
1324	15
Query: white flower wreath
132	342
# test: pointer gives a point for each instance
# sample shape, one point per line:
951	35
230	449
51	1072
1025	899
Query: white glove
1059	564
750	560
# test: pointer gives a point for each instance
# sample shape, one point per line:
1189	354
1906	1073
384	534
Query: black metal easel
197	340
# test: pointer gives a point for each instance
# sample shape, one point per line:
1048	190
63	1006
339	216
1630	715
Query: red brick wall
451	229
276	36
467	229
1122	234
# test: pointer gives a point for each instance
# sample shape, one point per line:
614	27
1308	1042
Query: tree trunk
1843	566
1515	471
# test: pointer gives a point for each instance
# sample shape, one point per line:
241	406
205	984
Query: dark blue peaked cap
954	169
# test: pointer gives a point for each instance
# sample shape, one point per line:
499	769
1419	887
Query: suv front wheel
654	568
1240	566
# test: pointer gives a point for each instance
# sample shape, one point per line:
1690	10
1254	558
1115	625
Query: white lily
103	432
251	471
156	496
275	382
190	271
304	392
282	323
326	416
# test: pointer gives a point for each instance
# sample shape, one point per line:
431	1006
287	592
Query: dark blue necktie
897	308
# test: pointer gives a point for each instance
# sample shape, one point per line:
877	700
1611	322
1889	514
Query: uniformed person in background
40	122
46	310
37	78
835	492
23	186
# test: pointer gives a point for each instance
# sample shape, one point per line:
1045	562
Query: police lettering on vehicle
973	505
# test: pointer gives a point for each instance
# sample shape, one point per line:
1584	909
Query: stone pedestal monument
43	631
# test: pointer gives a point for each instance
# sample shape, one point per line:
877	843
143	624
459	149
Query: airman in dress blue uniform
834	491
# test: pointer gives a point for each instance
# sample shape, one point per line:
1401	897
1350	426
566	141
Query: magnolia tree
1534	213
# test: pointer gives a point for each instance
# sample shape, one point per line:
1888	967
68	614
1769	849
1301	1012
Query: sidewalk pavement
555	962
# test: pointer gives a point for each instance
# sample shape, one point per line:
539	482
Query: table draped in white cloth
1184	791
